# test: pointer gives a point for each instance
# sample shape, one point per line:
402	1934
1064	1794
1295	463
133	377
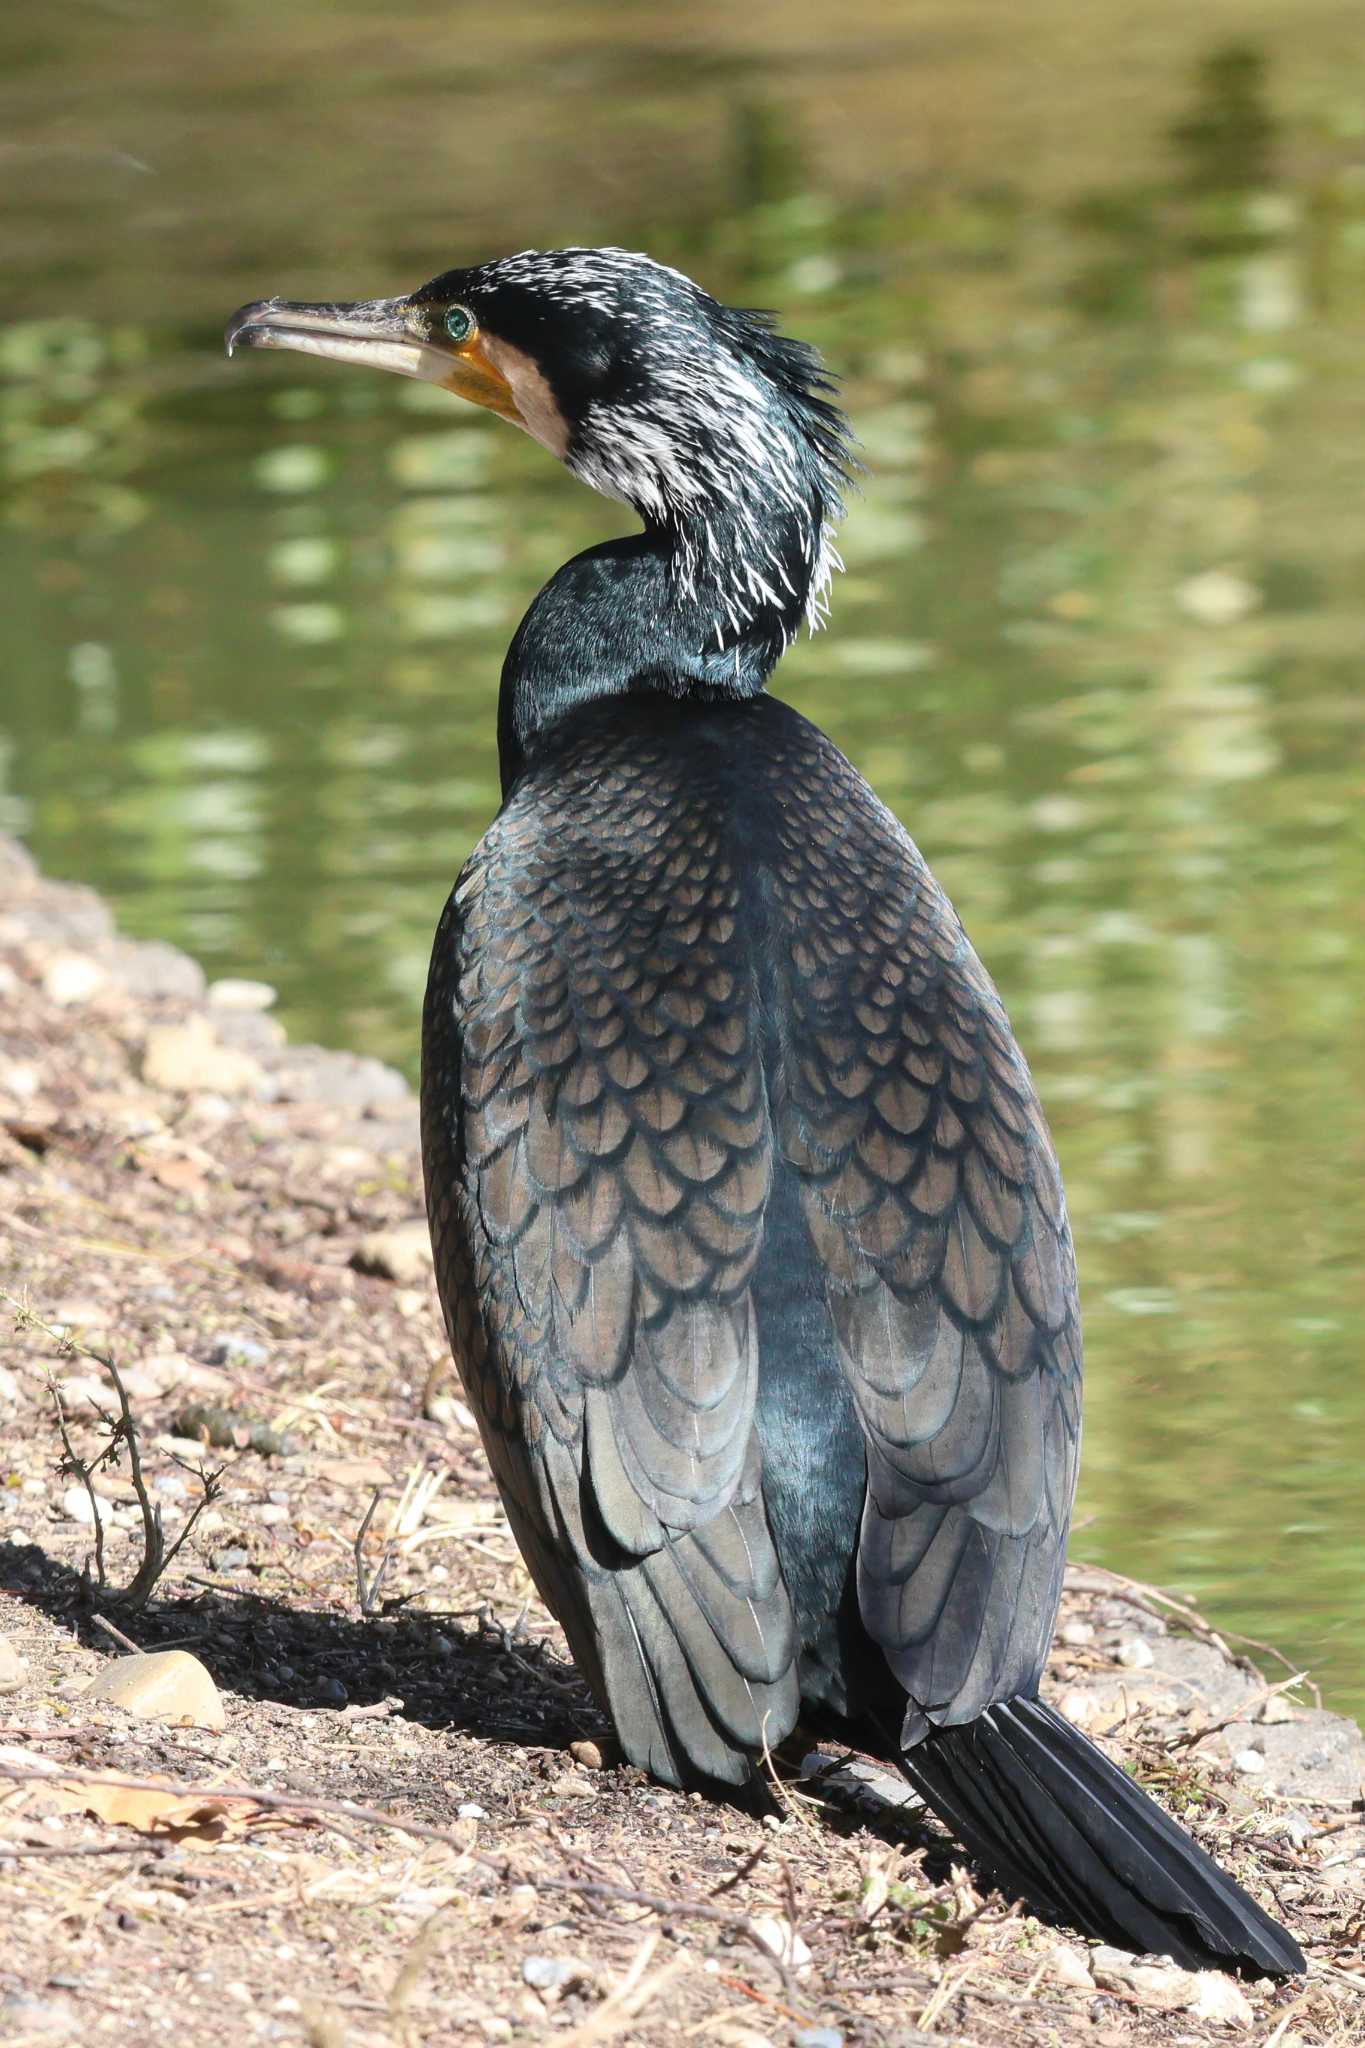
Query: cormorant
748	1228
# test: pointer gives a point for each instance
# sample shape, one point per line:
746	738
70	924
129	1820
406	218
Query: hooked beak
385	334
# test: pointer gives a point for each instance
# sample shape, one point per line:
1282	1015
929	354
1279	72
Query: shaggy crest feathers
707	421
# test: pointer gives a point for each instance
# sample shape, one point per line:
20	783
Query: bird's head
719	431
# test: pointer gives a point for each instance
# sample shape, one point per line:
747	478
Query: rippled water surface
1100	311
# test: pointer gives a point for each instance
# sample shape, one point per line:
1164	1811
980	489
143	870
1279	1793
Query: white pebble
781	1939
1217	598
76	1506
1249	1760
1135	1654
471	1810
234	993
72	978
1075	1634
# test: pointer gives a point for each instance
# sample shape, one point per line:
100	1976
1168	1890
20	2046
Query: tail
1064	1830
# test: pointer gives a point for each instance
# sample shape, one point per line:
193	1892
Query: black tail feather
1063	1829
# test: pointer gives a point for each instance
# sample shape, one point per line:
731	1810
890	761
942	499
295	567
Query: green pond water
1099	306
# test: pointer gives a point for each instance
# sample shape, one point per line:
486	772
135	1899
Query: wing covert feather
932	1198
599	1156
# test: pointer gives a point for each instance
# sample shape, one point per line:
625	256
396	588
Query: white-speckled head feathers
699	415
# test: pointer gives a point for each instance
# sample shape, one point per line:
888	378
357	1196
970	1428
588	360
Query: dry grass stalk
157	1556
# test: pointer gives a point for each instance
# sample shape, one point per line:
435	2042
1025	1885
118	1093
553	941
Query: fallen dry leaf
170	1811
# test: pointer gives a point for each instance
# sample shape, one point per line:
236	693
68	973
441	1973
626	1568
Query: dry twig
157	1556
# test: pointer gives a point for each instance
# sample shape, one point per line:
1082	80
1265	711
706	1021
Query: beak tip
241	328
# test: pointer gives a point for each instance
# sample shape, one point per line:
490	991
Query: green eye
459	323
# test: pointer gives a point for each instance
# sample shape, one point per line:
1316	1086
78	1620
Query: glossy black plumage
748	1227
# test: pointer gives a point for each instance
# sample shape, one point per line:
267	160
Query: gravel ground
410	1828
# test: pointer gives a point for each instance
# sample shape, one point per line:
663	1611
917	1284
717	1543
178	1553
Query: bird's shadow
461	1673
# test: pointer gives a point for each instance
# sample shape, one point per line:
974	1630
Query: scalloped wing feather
599	1156
933	1200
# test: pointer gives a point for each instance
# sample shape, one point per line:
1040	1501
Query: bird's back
740	1193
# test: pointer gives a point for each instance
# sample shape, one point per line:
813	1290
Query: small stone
1217	598
235	1347
77	1506
236	993
188	1059
13	1670
402	1254
1219	1999
332	1692
470	1809
552	1973
781	1939
72	978
1160	1986
587	1754
1276	1711
161	1685
818	2037
1069	1966
1076	1634
1249	1760
9	1388
34	2016
569	1785
273	1514
1136	1654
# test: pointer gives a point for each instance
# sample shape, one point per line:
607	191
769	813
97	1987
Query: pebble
188	1059
1221	1999
552	1973
77	1506
1135	1654
1160	1986
470	1809
72	978
781	1939
571	1785
161	1685
402	1254
235	1347
235	992
1076	1634
9	1388
587	1754
1249	1760
34	2016
1217	598
332	1692
1277	1710
818	2037
13	1670
1069	1966
272	1514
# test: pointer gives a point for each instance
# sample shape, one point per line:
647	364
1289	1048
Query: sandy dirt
411	1829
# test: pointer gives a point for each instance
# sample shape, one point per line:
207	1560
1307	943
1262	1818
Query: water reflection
1098	642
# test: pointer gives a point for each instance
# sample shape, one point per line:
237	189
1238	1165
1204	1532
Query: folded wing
598	1154
932	1197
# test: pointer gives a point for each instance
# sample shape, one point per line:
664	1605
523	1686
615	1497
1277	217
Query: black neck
626	617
